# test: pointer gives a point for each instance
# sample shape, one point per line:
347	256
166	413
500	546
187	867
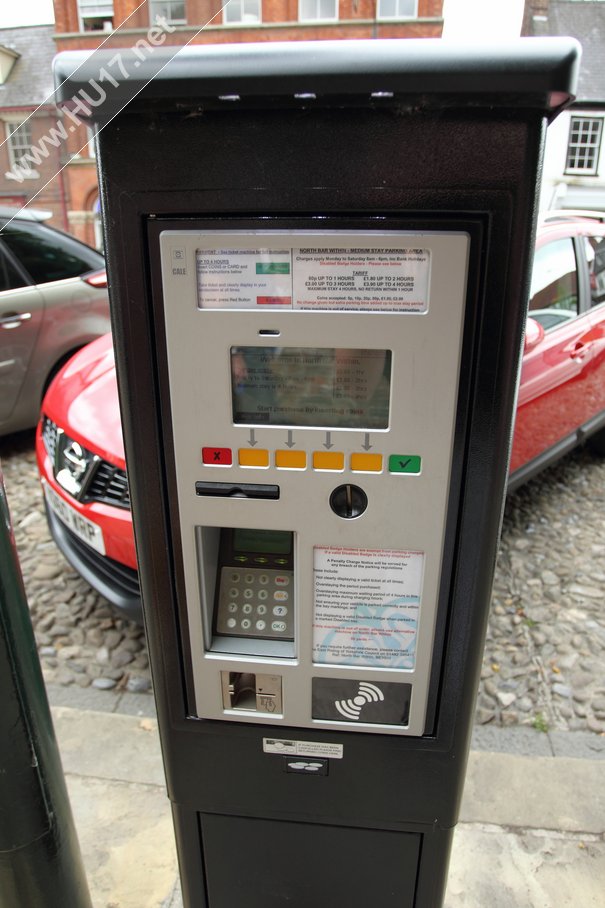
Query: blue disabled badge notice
366	606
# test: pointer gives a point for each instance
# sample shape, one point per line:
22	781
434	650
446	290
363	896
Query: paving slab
556	793
492	867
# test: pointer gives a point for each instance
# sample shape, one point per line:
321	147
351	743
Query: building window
95	15
584	145
19	137
242	11
397	9
172	11
317	10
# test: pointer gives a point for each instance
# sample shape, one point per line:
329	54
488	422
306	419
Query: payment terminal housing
318	259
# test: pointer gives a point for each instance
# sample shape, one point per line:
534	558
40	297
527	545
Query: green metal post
40	861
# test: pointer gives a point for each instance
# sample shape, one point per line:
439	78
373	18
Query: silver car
53	300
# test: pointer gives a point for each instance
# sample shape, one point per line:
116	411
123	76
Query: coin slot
348	501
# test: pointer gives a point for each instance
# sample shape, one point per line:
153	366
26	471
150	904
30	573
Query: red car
561	402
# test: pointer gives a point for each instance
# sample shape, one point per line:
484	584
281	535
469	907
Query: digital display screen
323	387
263	542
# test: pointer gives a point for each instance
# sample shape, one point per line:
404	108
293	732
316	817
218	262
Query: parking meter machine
318	259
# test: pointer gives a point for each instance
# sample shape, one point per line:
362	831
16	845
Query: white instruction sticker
303	748
244	278
351	279
367	604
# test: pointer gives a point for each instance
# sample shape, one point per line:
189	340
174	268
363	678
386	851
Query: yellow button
253	457
366	463
328	460
291	460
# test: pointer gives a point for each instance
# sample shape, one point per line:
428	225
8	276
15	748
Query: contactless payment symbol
367	693
362	702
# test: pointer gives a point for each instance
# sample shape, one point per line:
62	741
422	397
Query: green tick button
405	463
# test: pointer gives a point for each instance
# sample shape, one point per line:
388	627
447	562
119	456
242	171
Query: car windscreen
48	255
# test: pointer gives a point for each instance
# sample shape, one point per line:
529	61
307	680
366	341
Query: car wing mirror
534	332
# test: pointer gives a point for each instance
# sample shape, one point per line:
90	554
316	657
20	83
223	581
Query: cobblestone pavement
544	663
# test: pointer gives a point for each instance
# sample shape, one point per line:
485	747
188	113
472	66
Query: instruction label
358	279
244	278
303	748
383	280
366	606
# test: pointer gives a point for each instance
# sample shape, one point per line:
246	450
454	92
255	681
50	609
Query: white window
242	11
584	145
317	10
172	11
19	137
397	9
95	15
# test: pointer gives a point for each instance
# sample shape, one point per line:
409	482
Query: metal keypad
256	602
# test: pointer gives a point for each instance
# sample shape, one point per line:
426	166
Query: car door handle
14	319
580	350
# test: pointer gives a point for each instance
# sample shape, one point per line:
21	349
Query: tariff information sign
358	279
367	604
383	280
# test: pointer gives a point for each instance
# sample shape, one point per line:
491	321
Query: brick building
86	24
27	113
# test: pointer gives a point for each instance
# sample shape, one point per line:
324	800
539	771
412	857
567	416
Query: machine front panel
313	383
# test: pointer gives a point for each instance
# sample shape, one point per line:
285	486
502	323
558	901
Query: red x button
217	457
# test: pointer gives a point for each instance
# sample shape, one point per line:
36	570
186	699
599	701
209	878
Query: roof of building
586	22
30	81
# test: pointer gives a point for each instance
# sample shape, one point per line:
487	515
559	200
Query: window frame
398	16
84	16
11	127
169	19
576	148
241	20
334	18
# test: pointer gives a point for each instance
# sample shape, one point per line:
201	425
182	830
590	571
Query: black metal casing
390	134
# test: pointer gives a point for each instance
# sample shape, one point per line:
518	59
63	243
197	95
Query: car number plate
84	529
